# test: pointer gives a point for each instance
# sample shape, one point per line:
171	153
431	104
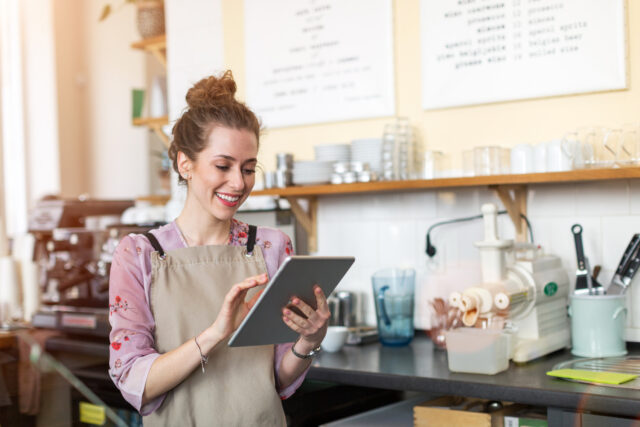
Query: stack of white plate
333	152
312	172
367	150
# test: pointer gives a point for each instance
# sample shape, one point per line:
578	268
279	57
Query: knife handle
576	229
628	254
632	267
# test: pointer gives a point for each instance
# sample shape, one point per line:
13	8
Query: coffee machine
522	298
75	241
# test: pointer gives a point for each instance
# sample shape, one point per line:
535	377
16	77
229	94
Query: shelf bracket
163	136
307	219
516	205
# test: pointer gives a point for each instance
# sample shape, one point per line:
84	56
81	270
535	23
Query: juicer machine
522	297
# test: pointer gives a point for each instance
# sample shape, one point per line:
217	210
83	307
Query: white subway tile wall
387	230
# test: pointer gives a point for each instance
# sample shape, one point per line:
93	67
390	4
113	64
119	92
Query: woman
179	292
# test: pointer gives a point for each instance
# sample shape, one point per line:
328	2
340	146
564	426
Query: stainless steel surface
627	267
623	365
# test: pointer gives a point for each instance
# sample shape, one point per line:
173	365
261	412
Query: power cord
431	250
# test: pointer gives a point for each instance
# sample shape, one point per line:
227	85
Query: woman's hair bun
211	91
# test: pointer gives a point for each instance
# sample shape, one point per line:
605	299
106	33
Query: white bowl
335	338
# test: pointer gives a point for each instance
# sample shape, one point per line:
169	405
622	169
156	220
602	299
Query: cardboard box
451	411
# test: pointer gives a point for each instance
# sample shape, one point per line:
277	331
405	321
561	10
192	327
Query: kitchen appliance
523	295
74	244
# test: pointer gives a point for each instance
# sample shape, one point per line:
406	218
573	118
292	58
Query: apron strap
155	244
251	239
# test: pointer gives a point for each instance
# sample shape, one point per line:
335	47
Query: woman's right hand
234	308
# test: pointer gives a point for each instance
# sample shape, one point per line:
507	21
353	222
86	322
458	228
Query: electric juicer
522	299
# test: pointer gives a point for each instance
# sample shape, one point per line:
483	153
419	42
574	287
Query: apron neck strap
251	239
155	244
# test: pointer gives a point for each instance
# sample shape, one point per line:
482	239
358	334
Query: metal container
284	161
283	178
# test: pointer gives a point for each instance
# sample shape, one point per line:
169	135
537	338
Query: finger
296	319
255	298
292	325
305	308
321	300
260	278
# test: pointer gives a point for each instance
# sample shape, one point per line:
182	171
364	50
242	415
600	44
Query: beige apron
238	387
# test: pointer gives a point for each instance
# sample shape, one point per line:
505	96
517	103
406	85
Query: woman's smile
228	199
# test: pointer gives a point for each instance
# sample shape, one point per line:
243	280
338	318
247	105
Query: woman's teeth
228	198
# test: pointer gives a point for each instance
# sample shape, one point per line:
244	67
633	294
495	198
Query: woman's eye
249	171
222	168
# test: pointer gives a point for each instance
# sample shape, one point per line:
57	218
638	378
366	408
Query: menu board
480	51
313	61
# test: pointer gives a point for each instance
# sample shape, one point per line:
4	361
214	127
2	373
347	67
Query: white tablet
295	277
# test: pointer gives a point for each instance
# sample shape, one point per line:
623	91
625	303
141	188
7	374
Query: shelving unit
511	189
155	124
157	46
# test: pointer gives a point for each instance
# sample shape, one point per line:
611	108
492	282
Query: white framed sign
313	61
476	52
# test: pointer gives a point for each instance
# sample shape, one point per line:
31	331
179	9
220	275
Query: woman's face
224	173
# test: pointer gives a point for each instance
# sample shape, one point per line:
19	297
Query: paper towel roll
10	305
23	247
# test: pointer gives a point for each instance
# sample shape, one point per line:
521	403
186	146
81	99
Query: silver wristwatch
305	356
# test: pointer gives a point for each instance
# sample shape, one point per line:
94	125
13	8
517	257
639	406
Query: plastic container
477	351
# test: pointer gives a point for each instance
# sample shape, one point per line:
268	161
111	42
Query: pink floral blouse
132	347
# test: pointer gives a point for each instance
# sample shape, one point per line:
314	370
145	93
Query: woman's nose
237	179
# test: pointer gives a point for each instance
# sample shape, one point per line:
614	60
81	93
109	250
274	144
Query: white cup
558	160
522	159
540	157
335	338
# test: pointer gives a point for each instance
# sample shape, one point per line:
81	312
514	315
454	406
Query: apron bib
188	286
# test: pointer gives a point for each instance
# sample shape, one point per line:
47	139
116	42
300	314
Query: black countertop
419	367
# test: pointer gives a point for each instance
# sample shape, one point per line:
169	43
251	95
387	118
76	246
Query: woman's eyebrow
233	159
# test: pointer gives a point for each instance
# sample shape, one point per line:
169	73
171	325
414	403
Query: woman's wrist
208	340
303	346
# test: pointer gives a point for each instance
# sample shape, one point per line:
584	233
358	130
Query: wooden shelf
157	46
155	124
511	189
476	181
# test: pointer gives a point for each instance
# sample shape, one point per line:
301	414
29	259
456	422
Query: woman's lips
228	199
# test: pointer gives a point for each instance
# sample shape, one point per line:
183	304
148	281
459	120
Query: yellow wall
450	130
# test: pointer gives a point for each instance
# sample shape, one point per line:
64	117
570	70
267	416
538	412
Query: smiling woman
208	271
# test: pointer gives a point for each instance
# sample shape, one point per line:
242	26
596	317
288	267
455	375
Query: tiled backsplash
387	230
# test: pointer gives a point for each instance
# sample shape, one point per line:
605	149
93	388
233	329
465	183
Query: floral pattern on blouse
132	348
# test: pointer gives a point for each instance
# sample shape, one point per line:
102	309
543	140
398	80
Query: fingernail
317	289
287	312
296	301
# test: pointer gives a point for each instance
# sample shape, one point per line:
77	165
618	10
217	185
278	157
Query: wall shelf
155	124
511	189
157	46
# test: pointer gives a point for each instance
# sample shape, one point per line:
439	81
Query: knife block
632	331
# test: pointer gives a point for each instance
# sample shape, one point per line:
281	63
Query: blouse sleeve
280	349
131	351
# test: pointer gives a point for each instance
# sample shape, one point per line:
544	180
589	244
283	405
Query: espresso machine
75	241
522	300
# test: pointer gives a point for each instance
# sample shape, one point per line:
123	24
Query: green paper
592	376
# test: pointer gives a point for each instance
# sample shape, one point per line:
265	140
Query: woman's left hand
313	326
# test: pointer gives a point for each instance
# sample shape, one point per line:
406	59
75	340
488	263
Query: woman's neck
199	227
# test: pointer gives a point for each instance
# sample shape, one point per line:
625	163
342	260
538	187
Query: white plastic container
477	351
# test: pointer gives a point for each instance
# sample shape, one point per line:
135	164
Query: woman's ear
184	165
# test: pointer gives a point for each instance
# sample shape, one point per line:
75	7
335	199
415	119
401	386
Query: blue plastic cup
393	292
